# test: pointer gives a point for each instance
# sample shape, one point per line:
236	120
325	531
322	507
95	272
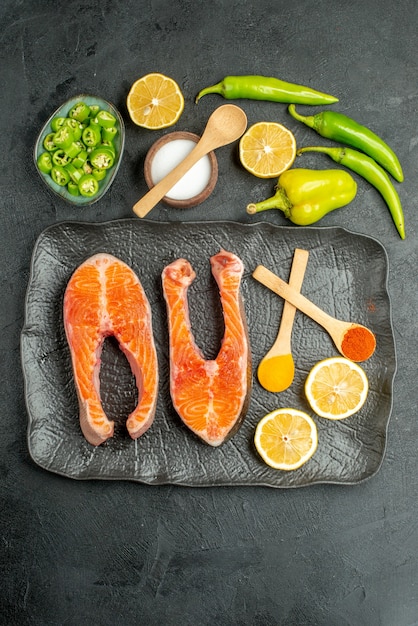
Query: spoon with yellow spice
277	369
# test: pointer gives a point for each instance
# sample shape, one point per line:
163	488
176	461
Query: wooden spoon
277	369
226	124
364	341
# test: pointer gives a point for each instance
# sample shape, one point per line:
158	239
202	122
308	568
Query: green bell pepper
305	196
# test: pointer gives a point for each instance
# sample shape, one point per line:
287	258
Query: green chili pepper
366	167
45	162
305	196
266	88
343	129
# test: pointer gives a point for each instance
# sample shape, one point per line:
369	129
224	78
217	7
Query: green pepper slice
80	159
44	162
56	123
88	186
75	127
74	172
109	134
94	109
74	149
59	175
105	119
64	137
99	174
110	145
87	168
102	158
60	157
48	142
73	188
80	111
91	135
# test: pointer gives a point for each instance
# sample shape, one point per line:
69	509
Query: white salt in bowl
196	185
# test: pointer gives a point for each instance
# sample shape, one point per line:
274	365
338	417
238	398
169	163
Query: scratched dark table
124	553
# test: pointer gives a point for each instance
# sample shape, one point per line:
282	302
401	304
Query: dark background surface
110	553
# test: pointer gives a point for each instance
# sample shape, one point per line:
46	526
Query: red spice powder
371	306
358	343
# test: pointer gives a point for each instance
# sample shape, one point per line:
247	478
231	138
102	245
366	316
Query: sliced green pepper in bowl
84	137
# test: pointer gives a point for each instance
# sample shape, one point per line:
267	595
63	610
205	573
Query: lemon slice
155	101
336	388
267	149
286	438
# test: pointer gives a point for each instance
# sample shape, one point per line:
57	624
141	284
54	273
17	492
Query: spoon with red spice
354	341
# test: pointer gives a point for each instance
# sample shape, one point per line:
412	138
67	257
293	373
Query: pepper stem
308	120
218	88
336	154
278	201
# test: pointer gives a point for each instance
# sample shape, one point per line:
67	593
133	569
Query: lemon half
336	388
286	438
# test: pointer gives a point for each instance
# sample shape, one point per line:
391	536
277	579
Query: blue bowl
119	142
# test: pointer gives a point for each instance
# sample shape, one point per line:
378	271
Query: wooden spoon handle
297	273
154	195
279	286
